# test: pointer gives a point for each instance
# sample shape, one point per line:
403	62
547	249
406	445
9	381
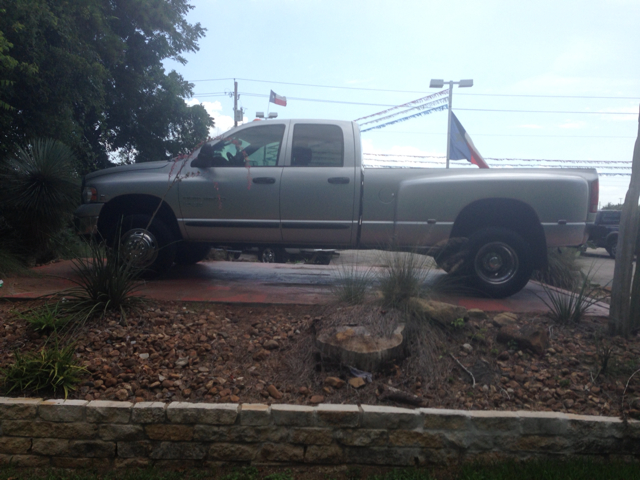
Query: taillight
89	194
594	196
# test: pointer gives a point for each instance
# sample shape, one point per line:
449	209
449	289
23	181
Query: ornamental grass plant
52	369
353	282
404	275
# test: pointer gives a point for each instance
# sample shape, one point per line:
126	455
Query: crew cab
301	184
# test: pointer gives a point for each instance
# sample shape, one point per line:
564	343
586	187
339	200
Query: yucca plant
39	192
105	282
571	306
51	369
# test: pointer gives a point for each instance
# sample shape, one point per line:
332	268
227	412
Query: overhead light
436	83
466	83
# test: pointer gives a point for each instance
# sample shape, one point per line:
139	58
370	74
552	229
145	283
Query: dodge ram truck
302	184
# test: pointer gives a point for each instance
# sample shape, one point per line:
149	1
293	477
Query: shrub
106	283
51	369
403	276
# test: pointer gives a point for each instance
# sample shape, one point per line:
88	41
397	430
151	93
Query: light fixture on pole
439	84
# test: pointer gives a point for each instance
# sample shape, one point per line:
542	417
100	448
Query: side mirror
204	158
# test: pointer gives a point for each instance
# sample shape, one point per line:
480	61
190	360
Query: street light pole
439	84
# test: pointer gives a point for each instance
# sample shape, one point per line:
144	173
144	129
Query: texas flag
277	99
461	146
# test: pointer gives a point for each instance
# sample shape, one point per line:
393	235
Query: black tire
271	255
152	248
499	262
189	253
612	248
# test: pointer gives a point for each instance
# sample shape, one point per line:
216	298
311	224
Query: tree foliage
89	73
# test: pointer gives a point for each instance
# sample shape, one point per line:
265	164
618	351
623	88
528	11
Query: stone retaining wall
104	434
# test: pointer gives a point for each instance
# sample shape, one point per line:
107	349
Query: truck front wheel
499	262
147	245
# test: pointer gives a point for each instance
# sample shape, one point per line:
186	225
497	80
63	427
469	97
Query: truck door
233	196
317	193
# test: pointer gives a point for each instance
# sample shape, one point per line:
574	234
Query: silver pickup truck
301	184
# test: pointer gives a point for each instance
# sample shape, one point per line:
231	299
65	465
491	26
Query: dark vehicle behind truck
604	231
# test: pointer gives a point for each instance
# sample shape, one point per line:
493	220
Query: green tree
90	73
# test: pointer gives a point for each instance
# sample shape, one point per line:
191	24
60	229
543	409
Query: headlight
89	194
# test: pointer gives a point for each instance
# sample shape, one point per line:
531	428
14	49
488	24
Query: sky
556	82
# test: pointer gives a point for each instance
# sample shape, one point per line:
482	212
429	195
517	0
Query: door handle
339	180
264	180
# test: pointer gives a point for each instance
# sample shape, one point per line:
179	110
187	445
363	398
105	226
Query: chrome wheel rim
139	247
496	263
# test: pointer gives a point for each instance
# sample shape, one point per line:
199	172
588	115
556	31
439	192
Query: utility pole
235	103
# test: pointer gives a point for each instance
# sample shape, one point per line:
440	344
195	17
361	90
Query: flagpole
438	83
449	122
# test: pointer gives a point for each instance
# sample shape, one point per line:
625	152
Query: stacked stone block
104	434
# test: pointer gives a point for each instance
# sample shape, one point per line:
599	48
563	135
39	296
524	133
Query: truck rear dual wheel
147	245
612	247
499	262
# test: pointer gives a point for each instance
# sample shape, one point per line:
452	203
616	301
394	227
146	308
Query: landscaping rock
357	382
505	319
443	313
527	337
334	382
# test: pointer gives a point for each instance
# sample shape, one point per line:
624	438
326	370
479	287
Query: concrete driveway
252	282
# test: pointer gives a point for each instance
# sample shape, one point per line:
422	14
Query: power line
321	101
542	111
411	91
261	95
499	159
508	135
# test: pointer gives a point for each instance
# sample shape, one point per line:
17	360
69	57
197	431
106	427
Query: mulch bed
199	352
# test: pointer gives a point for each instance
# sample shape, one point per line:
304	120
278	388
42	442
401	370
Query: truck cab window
255	147
316	145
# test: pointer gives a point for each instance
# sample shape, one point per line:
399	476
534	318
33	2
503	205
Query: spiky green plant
47	318
51	369
571	306
39	191
105	282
